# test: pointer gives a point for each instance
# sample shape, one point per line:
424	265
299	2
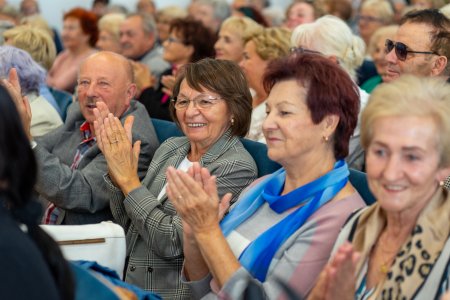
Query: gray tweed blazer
82	193
154	231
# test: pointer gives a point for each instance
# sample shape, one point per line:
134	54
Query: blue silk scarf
257	256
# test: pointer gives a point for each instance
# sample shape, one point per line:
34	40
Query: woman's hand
168	82
114	140
195	198
338	278
12	84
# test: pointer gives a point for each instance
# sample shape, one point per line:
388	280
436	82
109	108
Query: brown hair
224	78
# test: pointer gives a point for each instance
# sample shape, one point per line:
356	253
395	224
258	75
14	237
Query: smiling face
402	163
203	127
290	133
369	21
175	51
229	46
134	40
103	77
416	37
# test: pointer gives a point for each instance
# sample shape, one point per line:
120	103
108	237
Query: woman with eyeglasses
303	12
399	248
188	41
284	225
374	14
211	104
332	38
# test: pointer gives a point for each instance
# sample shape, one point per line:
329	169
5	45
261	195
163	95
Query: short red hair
330	91
88	22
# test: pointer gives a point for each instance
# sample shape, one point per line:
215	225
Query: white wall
52	10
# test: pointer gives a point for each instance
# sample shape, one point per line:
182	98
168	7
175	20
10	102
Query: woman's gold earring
232	121
325	138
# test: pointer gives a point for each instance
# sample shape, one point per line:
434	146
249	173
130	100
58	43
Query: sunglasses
401	50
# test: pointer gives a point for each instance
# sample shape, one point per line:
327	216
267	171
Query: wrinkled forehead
417	36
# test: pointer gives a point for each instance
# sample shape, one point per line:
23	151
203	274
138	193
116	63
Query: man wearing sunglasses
421	46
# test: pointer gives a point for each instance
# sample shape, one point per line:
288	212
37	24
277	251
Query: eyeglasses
301	50
171	39
200	102
401	50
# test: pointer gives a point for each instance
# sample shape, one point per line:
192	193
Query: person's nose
392	168
192	109
391	57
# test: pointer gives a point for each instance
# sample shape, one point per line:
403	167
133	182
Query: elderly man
421	46
71	166
138	37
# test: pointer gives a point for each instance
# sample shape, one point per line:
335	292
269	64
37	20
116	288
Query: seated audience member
109	40
399	247
259	51
31	262
285	225
232	36
210	12
100	7
373	14
332	38
109	33
39	44
377	52
189	41
71	164
146	6
421	46
37	21
341	9
139	40
212	106
44	118
427	4
79	36
302	12
163	18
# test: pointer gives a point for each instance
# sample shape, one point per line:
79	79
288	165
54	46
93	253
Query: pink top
64	72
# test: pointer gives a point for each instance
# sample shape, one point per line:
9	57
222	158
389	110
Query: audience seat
359	180
165	129
63	99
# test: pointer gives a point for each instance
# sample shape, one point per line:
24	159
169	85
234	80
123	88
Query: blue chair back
359	180
165	129
63	99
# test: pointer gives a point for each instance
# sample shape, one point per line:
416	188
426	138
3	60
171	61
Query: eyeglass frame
301	50
395	46
196	100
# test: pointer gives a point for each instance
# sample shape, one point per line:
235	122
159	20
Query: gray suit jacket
82	193
154	231
155	62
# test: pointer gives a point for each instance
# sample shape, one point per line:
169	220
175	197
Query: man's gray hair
148	22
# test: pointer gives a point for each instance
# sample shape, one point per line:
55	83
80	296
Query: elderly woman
79	36
109	34
164	17
259	51
332	38
374	14
403	239
284	225
189	41
232	36
302	12
378	53
45	118
32	263
212	106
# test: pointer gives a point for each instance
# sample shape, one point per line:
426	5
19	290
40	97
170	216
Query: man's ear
439	66
131	92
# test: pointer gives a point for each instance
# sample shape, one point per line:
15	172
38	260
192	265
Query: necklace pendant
384	269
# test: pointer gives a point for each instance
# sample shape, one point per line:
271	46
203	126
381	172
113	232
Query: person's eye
205	102
284	112
379	152
83	83
412	157
182	102
103	84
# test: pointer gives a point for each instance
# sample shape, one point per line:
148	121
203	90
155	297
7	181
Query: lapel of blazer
222	145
